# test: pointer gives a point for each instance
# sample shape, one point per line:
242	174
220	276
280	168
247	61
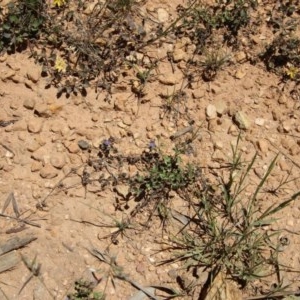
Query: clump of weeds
228	230
84	291
165	174
21	24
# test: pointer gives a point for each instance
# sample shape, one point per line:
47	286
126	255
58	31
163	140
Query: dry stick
181	132
21	220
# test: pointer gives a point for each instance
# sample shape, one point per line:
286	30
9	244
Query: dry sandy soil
43	158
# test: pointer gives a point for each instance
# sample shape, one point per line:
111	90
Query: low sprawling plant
164	174
21	23
228	230
84	291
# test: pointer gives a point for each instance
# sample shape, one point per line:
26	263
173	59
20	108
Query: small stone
282	99
263	146
167	79
3	57
233	130
239	74
58	160
211	112
29	103
286	125
83	145
72	147
218	145
259	121
33	75
162	15
127	120
241	56
33	146
42	110
7	75
294	150
241	120
14	105
48	172
36	166
35	125
221	107
122	190
120	102
95	117
41	155
178	55
198	93
90	8
18	79
22	136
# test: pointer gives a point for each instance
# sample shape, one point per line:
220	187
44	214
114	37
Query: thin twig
21	220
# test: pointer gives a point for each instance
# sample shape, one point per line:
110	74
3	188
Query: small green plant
213	61
282	56
165	174
21	24
84	291
227	231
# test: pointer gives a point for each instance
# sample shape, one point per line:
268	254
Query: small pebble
48	172
29	103
35	125
259	121
211	112
58	160
83	145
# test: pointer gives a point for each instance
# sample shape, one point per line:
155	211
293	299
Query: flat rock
32	145
36	166
260	121
58	160
48	172
167	79
29	103
162	15
83	145
8	74
211	111
221	107
42	110
120	101
242	120
35	125
33	75
198	93
72	147
179	55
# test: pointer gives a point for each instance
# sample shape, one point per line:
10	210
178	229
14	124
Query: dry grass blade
11	199
21	220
